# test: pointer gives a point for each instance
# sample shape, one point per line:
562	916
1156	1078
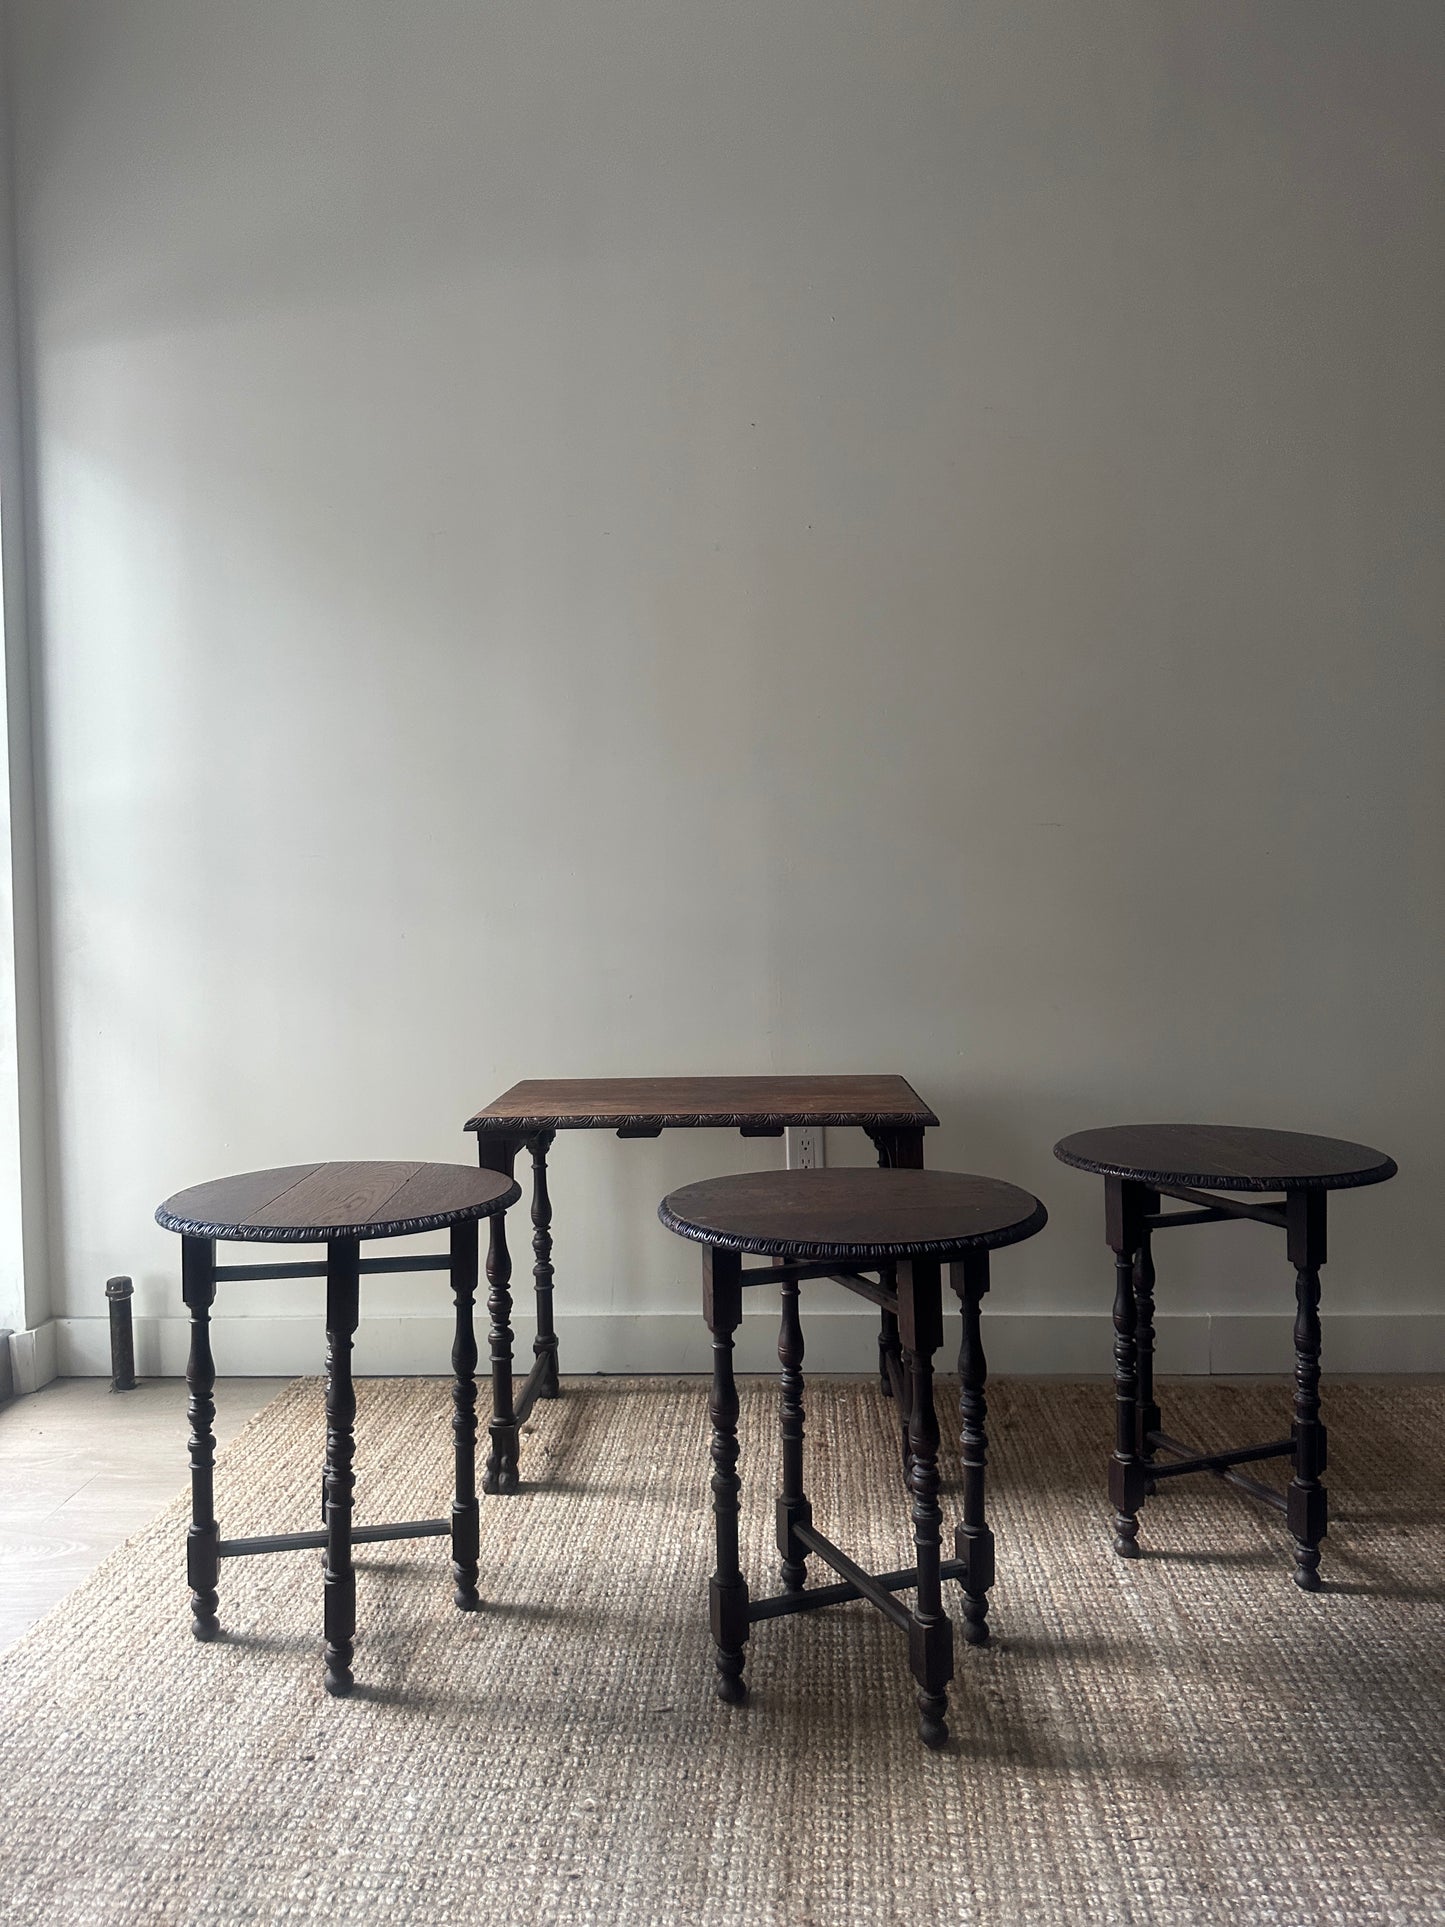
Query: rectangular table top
702	1103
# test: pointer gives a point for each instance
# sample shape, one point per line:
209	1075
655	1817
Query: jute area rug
1186	1739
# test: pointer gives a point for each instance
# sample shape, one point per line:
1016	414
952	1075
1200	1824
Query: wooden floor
82	1468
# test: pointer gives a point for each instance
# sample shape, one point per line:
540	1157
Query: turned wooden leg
793	1507
1126	1473
1150	1419
930	1631
728	1591
897	1151
888	1346
890	1364
972	1540
1308	1503
203	1558
1123	1209
500	1154
466	1525
343	1258
544	1345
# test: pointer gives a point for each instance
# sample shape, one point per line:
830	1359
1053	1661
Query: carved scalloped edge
807	1250
1159	1180
269	1234
701	1121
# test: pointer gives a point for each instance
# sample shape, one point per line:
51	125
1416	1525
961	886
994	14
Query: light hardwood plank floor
82	1468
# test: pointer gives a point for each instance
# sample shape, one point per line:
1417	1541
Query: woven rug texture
1182	1739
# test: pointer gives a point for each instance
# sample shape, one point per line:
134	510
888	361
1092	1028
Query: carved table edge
807	1250
263	1234
1136	1174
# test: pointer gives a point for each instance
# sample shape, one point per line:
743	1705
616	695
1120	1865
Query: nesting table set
529	1116
885	1234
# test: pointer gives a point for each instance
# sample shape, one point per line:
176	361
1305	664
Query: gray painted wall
638	536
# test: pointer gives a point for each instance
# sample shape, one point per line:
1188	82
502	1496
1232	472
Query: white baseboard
1066	1344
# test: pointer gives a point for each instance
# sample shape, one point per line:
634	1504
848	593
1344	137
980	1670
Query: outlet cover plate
805	1147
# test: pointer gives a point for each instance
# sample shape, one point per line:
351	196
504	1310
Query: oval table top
858	1215
313	1203
1225	1157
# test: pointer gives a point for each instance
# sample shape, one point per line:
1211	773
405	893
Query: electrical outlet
805	1147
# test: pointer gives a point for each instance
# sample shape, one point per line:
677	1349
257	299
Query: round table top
313	1203
856	1215
1225	1157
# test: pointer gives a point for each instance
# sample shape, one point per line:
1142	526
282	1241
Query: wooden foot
1126	1490
728	1614
203	1571
933	1720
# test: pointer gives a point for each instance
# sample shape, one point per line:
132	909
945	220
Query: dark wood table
902	1226
340	1206
1207	1167
528	1117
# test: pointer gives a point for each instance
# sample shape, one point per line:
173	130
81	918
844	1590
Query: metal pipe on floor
118	1293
